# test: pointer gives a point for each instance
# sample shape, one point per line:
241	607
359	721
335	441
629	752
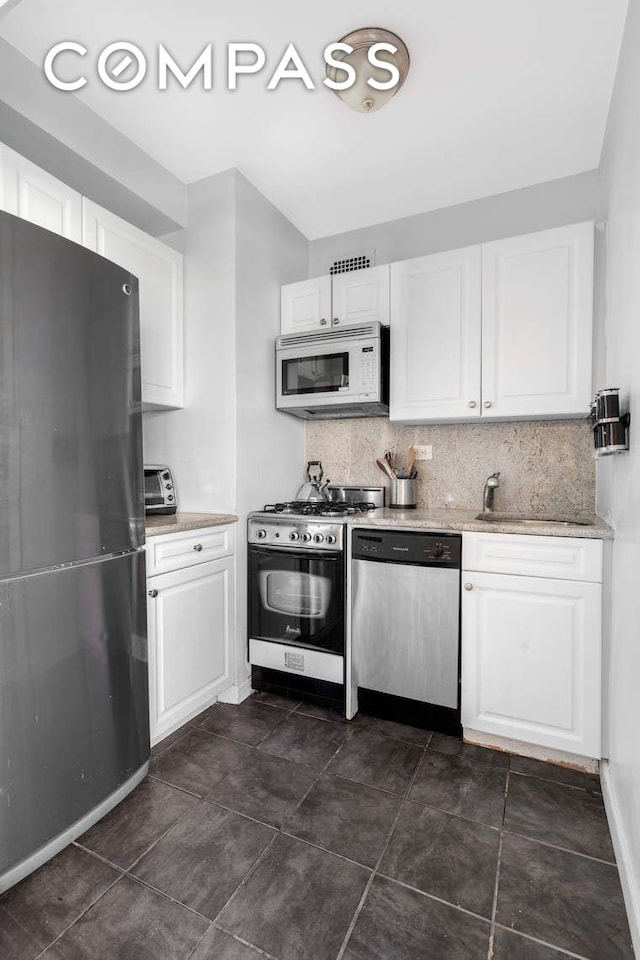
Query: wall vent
353	261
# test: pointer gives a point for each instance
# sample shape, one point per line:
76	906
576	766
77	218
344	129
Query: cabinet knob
472	404
468	586
487	403
335	321
198	547
323	322
153	593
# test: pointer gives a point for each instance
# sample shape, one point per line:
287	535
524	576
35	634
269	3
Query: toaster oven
159	489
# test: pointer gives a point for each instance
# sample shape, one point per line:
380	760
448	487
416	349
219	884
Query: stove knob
330	538
294	535
261	534
318	538
439	550
306	537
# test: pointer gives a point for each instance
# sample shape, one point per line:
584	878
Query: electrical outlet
424	452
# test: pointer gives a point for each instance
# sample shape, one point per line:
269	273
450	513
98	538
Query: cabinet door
159	270
190	624
361	296
305	305
537	318
435	337
531	660
31	193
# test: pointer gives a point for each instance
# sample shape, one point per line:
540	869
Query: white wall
544	205
64	136
230	449
270	251
618	478
199	442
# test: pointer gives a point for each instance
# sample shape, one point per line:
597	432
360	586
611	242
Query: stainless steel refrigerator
74	728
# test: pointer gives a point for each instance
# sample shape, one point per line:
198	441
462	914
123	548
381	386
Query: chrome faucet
490	487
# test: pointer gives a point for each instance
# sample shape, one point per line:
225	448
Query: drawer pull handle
468	586
153	593
197	546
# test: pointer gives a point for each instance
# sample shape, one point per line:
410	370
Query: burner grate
310	508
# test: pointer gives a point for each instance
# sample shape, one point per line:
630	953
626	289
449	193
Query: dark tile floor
278	830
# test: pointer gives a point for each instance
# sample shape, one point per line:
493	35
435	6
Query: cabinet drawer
560	558
178	550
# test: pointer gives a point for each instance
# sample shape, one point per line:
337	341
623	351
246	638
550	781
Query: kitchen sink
530	521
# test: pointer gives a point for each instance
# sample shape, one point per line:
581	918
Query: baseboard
628	876
237	692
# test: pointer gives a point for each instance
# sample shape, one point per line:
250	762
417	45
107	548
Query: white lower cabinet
190	618
531	645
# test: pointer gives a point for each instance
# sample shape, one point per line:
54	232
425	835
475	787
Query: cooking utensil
411	461
384	466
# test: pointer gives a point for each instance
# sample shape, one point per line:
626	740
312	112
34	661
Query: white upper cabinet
361	296
435	336
501	331
159	270
537	315
31	193
305	305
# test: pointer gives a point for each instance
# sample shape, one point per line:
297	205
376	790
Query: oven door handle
304	554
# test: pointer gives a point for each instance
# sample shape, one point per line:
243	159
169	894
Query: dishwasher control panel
402	546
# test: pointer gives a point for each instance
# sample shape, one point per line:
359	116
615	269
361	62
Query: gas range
297	593
304	524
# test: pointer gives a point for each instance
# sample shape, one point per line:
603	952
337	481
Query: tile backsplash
546	467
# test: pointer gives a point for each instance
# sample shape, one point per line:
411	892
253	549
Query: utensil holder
402	494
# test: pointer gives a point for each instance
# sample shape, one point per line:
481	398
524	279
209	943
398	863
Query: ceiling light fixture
374	84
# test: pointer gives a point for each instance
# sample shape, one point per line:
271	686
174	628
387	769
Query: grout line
318	846
98	856
196	945
374	873
80	915
458	816
245	880
245	943
167	896
555	846
494	907
315	781
544	943
239	813
432	896
168	783
161	837
559	783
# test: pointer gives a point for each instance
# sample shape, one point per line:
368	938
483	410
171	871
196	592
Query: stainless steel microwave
159	489
334	373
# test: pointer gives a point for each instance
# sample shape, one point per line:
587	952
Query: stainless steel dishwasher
405	625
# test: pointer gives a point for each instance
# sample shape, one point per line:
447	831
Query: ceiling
501	94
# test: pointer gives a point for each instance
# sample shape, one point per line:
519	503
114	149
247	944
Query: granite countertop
465	520
156	526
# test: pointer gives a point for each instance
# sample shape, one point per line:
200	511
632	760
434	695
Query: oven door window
327	373
297	599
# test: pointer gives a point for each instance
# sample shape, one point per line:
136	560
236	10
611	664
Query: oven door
297	597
